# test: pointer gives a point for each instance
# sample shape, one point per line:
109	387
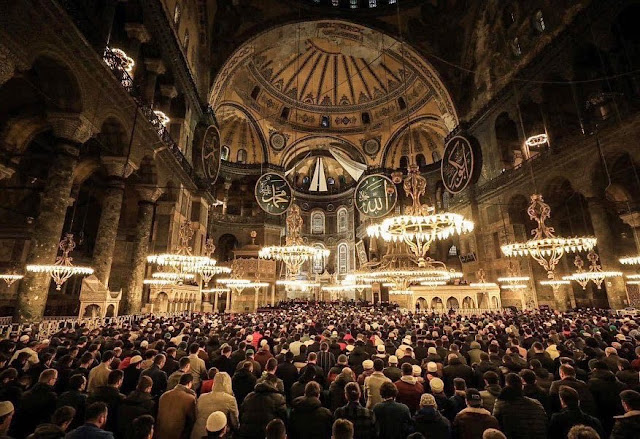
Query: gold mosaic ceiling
333	78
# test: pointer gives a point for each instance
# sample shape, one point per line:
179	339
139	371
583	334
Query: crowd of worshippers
328	371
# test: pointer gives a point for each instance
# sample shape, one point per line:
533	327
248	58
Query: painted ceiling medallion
277	141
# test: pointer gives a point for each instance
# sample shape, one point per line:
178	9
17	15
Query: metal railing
52	324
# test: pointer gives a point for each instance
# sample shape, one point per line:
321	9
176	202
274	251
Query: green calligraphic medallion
375	196
273	193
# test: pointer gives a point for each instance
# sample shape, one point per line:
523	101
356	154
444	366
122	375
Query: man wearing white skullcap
6	415
216	425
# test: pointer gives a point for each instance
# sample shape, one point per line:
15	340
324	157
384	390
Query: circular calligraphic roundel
273	193
210	153
278	142
375	196
459	164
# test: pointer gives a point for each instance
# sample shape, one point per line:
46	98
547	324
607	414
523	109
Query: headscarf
222	383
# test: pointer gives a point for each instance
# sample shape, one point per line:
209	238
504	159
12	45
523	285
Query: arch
161	302
226	244
342	266
239	129
57	83
317	222
436	303
111	310
494	302
342	220
225	153
91	311
468	303
113	136
421	303
452	303
306	144
423	134
318	266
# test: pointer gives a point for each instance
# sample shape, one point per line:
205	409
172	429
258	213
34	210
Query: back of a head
184	361
492	433
388	390
378	365
490	377
144	383
352	392
631	399
108	356
63	414
275	429
186	378
312	390
312	356
47	375
528	376
513	380
407	369
272	364
459	384
193	349
159	359
142	427
115	376
94	411
582	432
569	396
342	429
567	370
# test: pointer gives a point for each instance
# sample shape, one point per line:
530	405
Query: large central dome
334	78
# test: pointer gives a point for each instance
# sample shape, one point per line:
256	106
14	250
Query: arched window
515	47
343	221
353	4
404	162
224	155
318	263
420	160
538	21
176	14
317	223
453	251
435	156
186	40
445	200
241	156
402	104
343	258
255	92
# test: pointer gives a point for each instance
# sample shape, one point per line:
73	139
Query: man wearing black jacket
571	415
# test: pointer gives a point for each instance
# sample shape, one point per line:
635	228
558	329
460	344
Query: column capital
73	127
155	65
148	193
137	31
632	219
6	171
117	166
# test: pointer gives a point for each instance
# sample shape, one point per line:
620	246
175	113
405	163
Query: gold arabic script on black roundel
458	164
273	193
375	196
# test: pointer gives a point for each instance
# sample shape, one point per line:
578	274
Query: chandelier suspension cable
412	159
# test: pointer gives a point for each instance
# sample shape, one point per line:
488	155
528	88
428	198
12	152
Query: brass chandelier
546	248
420	226
63	268
294	253
594	274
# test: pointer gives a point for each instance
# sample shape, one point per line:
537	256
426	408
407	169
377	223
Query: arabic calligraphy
273	193
457	167
375	196
211	153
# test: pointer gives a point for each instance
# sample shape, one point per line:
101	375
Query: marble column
216	297
255	299
132	293
117	169
616	290
47	230
228	304
273	295
225	199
